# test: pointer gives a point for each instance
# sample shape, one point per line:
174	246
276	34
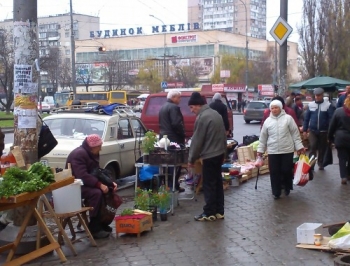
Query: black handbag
47	142
249	139
103	176
328	156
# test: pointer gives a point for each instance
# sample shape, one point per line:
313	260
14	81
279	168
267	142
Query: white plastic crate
306	231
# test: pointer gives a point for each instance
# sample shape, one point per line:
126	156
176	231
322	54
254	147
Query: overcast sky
131	13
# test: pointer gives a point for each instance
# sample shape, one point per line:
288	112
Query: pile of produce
16	181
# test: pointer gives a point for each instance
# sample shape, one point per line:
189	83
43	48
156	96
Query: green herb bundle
17	181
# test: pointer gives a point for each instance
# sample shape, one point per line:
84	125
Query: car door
127	144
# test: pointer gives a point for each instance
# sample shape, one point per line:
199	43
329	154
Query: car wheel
247	121
113	172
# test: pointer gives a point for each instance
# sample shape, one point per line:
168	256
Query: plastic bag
341	239
259	161
301	171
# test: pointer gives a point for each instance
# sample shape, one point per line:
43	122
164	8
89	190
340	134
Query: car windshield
256	105
77	128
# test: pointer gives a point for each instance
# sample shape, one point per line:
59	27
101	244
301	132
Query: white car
121	133
44	107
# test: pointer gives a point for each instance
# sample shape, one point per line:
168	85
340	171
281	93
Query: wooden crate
254	172
264	169
245	154
133	224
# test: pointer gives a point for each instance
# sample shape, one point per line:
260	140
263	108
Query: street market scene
197	133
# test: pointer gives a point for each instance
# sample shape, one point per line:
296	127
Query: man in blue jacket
316	122
342	98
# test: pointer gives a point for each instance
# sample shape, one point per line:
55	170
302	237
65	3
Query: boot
96	228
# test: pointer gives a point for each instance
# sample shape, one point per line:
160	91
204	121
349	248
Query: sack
103	176
111	203
341	239
249	139
328	156
301	171
47	141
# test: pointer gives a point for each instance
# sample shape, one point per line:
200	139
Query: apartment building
236	16
55	31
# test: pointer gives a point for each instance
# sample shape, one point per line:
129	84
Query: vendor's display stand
31	200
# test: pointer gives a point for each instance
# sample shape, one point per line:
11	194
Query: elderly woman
280	137
84	159
339	134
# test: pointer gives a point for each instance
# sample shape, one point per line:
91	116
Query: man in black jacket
171	123
221	108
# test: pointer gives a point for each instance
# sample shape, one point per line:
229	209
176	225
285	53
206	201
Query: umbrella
325	82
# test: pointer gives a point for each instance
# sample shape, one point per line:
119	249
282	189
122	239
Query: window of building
68	52
66	34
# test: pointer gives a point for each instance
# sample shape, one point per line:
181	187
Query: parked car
153	103
121	133
44	107
254	111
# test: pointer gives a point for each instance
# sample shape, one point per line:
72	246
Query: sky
132	13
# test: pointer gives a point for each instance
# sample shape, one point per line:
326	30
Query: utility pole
164	47
283	48
246	48
26	79
72	49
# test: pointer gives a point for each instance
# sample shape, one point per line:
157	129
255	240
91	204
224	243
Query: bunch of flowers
148	142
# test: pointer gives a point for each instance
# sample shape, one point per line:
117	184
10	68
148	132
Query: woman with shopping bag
280	137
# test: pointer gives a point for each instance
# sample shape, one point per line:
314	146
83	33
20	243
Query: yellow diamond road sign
281	30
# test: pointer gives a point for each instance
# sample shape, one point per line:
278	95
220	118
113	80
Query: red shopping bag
301	171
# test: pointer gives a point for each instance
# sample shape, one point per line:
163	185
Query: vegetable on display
16	181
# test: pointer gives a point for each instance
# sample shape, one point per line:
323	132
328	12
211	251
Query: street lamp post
246	47
72	48
164	45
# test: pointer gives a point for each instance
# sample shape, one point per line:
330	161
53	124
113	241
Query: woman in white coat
280	137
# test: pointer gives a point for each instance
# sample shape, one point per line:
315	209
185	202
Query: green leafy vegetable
17	181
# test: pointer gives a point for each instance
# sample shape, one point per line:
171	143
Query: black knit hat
196	99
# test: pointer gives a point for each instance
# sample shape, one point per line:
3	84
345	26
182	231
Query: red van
154	102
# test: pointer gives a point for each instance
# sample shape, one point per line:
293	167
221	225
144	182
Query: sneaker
100	234
219	216
344	181
204	217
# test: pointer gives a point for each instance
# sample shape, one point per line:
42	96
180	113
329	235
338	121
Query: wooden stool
62	219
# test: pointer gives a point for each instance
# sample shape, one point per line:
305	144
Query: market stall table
30	199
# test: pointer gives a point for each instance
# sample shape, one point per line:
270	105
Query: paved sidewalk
257	230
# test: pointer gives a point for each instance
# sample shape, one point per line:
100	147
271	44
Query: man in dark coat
221	108
83	161
171	123
342	98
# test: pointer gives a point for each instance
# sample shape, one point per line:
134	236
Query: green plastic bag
345	230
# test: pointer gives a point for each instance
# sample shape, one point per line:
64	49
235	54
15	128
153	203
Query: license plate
45	162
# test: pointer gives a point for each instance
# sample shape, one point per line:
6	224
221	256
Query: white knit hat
276	103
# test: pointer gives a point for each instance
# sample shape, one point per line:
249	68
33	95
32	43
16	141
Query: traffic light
102	49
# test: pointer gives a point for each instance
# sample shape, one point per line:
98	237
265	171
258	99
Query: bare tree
65	76
149	78
6	68
84	75
51	64
261	70
115	71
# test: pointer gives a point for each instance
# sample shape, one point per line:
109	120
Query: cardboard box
130	225
245	154
306	231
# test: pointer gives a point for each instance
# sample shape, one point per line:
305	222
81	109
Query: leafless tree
115	71
65	76
51	64
6	68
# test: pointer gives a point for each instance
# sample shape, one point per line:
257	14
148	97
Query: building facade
236	16
200	48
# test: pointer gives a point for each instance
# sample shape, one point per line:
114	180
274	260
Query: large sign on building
140	31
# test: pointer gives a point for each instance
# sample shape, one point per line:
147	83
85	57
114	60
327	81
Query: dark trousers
344	164
317	145
212	185
281	172
94	197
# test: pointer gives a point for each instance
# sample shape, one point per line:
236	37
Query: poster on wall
203	66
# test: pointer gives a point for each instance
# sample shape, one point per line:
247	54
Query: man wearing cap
221	108
208	143
84	159
316	121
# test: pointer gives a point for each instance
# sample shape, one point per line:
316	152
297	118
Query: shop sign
184	38
234	88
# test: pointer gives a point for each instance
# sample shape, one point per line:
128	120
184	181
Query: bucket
68	198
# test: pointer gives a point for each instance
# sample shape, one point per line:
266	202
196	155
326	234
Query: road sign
164	84
281	30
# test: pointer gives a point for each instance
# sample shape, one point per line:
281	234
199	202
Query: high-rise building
230	15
